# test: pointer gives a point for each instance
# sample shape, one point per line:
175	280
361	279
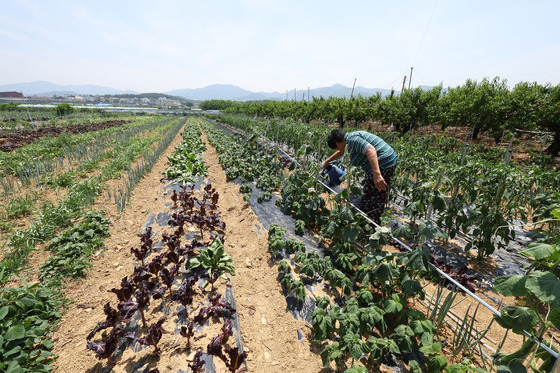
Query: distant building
11	94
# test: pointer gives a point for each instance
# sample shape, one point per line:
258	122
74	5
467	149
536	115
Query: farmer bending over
375	157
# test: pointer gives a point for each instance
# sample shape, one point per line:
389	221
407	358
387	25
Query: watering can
335	174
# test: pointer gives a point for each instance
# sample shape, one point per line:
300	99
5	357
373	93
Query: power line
425	32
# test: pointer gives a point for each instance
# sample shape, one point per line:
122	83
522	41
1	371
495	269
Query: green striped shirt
358	142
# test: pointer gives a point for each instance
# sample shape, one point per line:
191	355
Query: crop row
379	287
473	193
72	234
15	117
176	276
36	162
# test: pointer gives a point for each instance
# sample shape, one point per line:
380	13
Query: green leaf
414	366
14	367
414	208
436	363
513	367
4	311
412	287
402	231
427	339
379	238
546	286
511	285
434	348
555	318
356	369
15	332
517	318
383	273
439	203
431	230
539	250
350	234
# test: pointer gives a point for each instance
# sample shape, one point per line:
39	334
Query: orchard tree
417	107
478	105
63	109
387	110
549	116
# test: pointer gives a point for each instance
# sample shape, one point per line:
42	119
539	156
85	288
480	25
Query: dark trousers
373	200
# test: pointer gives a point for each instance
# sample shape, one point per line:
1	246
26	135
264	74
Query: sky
277	45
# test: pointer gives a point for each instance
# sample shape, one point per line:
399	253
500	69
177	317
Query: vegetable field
165	244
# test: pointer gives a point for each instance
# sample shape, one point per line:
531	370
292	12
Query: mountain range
215	91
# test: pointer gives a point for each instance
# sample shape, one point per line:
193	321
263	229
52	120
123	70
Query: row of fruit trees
476	195
488	107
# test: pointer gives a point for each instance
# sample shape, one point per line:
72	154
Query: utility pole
352	94
410	80
403	82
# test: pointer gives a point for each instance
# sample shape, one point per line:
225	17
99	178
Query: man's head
335	137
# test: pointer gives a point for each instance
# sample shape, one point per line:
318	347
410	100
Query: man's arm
378	180
334	156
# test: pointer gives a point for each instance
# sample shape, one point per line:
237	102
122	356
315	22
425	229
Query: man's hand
379	182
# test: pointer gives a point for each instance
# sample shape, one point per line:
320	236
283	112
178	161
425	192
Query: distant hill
234	93
223	92
48	89
211	92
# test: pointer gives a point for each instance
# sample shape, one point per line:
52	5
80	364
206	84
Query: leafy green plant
186	162
355	345
19	206
301	197
51	219
73	249
27	315
300	227
379	348
538	289
63	180
323	322
185	167
276	239
246	188
291	285
335	351
465	366
214	261
338	280
436	362
356	369
343	224
294	246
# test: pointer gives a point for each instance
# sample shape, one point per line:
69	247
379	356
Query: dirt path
269	332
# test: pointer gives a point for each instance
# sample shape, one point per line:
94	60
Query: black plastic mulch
158	221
